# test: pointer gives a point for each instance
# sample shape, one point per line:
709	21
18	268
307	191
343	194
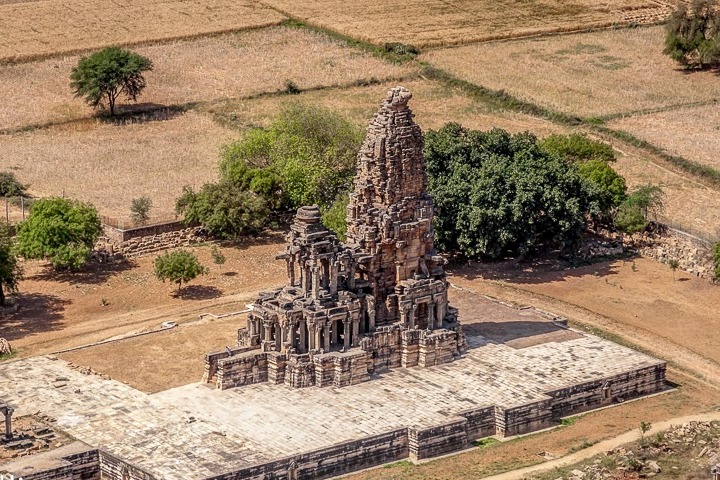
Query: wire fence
703	236
129	223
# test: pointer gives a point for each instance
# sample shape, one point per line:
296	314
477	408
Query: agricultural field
598	74
691	133
431	23
36	29
224	66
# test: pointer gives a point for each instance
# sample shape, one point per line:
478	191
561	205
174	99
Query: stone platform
522	372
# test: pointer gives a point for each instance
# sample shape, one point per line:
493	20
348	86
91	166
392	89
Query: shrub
225	209
610	188
716	259
10	271
178	266
693	35
401	49
217	256
140	210
61	230
632	216
306	156
291	88
10	186
499	194
578	148
106	75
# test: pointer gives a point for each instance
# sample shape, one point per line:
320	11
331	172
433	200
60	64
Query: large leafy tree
61	230
693	34
305	156
499	194
226	209
10	271
104	76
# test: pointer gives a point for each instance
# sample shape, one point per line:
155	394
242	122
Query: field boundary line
30	58
651	111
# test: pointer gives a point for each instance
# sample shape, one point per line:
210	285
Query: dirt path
605	445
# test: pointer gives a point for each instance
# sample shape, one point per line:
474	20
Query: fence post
7	211
22	206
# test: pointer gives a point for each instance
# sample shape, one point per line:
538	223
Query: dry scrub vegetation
692	133
425	23
36	29
109	165
231	65
592	74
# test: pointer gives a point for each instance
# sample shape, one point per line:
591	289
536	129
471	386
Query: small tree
693	36
10	271
106	75
632	216
335	217
10	186
61	230
179	266
140	210
644	428
217	256
674	265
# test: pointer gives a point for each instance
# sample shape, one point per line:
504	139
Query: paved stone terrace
258	423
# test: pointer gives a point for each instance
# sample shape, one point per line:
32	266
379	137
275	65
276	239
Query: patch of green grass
585	444
8	356
485	442
566	422
401	463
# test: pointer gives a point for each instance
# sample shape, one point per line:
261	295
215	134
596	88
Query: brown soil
59	311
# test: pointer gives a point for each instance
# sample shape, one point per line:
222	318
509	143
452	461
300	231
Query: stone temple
354	309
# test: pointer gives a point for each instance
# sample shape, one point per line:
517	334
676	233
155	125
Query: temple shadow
520	334
199	292
36	313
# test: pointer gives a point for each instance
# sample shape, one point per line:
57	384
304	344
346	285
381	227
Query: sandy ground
59	311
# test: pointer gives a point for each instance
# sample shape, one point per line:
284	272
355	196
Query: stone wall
135	246
113	468
81	464
663	244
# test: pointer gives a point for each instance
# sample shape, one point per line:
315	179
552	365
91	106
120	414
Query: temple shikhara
353	309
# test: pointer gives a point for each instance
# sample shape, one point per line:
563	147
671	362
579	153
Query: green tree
610	188
10	271
179	266
10	186
217	256
335	217
104	76
226	209
578	148
693	35
632	216
499	194
306	156
140	210
674	265
61	230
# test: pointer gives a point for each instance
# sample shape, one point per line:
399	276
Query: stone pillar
291	269
326	338
440	315
334	267
412	315
311	336
8	423
317	341
351	276
308	280
334	338
355	331
431	315
279	336
404	315
315	281
346	330
303	336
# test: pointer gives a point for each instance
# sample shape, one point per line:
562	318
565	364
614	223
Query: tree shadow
36	313
199	292
137	113
92	274
531	271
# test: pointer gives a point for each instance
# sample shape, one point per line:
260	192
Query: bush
632	216
61	230
335	218
716	258
140	210
609	186
499	194
106	75
10	186
693	36
178	266
305	157
225	209
578	148
10	271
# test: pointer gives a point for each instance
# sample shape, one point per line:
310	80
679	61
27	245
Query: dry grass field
231	65
427	23
433	105
109	165
31	30
591	74
693	133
